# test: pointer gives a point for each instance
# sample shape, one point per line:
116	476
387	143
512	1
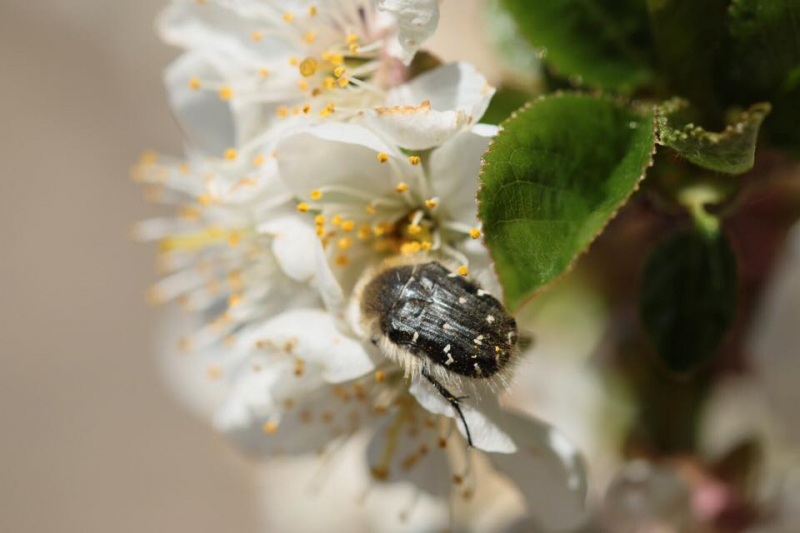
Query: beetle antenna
451	399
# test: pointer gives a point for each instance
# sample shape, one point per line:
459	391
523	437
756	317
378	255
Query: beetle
438	324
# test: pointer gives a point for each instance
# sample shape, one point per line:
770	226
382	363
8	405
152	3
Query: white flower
305	381
215	260
254	70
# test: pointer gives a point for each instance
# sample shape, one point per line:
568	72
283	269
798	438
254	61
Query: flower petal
456	168
207	121
433	107
416	22
293	243
343	154
547	469
482	417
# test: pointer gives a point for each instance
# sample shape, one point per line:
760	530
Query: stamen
308	67
475	233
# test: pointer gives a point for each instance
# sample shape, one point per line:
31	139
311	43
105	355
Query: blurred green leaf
553	178
731	151
689	38
604	42
505	101
688	298
765	63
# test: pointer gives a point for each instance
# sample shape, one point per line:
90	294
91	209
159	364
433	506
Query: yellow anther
214	372
303	207
258	35
194	84
282	112
263	72
338	71
312	11
204	199
364	232
416	246
231	154
299	367
310	37
320	231
329	109
352	38
342	260
270	428
344	82
463	270
383	157
401	188
426	246
234	300
316	194
308	67
296	111
306	109
184	168
288	17
329	83
319	220
345	243
414	160
234	239
380	377
370	209
354	49
414	229
405	249
475	233
226	93
336	59
258	160
302	85
348	225
337	219
293	61
432	204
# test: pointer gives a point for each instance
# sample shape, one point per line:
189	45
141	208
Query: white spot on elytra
415	337
490	319
446	326
477	368
462	300
482	292
478	340
447	349
450	360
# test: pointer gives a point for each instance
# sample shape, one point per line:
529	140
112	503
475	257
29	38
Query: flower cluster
317	148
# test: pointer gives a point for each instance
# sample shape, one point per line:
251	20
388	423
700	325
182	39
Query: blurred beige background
91	439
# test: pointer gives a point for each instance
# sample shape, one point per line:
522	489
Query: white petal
329	288
416	22
775	337
206	120
223	29
433	107
316	340
455	168
293	244
483	417
394	454
547	469
341	154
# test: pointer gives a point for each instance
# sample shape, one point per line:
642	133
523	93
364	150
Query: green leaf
688	299
765	37
552	179
604	42
504	102
689	37
765	64
731	151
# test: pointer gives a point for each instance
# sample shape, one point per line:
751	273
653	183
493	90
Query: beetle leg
453	400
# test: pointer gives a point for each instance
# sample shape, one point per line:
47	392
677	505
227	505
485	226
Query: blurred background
90	438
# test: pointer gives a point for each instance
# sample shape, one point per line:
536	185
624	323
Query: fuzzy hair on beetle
435	323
